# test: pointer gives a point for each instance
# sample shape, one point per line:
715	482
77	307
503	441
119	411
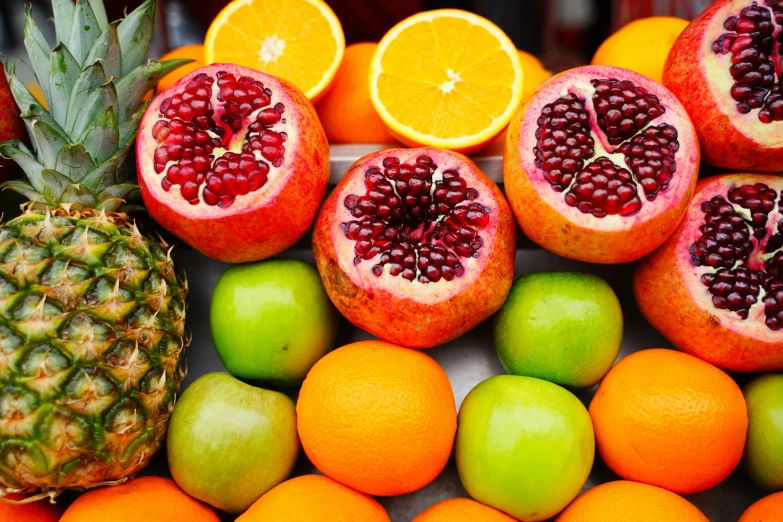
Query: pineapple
92	313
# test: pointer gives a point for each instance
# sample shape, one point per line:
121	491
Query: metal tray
467	360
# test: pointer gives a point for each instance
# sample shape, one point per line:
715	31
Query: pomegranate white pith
727	69
415	246
600	162
233	161
715	288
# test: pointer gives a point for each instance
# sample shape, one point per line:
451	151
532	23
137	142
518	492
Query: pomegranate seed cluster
419	225
751	43
188	134
565	145
726	244
623	109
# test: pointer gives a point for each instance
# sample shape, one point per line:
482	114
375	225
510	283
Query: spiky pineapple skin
92	333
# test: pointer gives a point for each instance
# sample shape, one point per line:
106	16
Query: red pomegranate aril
623	109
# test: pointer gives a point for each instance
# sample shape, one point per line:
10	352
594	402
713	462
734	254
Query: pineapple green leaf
122	192
99	11
48	142
22	157
107	49
54	185
74	162
89	80
22	188
96	103
80	195
38	51
64	72
102	138
84	31
63	19
135	33
130	127
132	87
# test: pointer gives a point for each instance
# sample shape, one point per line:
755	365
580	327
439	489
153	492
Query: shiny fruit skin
377	417
641	45
768	509
148	499
11	124
37	511
524	446
314	498
625	501
763	458
272	320
562	327
346	110
671	420
223	432
461	510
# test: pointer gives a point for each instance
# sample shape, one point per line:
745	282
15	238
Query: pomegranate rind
260	224
702	82
542	212
408	313
672	298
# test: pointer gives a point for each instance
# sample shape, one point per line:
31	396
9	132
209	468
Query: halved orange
446	78
301	41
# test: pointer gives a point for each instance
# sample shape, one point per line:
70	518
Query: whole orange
461	510
151	499
535	72
642	45
38	511
346	111
622	501
768	509
378	418
669	419
193	52
314	498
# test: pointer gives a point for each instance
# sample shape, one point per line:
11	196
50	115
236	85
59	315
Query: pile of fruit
415	245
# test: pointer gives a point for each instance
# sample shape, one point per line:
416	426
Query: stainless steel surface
467	360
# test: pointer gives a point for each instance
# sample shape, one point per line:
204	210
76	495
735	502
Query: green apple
272	321
563	327
764	445
229	442
524	446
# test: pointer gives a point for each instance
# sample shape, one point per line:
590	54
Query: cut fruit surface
715	289
727	69
446	78
300	41
415	246
599	164
233	161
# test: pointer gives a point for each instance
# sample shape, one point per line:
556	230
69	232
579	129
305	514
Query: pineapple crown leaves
94	79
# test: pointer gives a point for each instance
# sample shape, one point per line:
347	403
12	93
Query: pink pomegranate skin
673	299
728	138
267	222
404	312
570	234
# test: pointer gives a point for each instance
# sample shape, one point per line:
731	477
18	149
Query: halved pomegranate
233	161
416	246
600	163
727	70
715	288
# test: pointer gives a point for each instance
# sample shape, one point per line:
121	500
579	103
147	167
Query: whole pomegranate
715	288
11	124
727	70
233	161
416	246
600	163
